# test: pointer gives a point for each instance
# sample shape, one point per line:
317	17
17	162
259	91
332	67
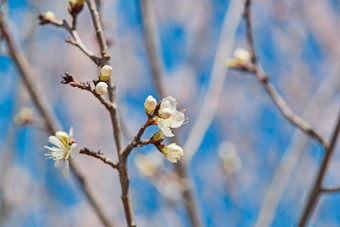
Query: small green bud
157	136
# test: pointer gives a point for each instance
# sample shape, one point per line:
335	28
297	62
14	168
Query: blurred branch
219	71
150	39
45	110
76	40
293	152
317	186
331	189
100	156
270	89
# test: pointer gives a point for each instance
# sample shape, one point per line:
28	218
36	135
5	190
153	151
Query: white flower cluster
64	146
167	117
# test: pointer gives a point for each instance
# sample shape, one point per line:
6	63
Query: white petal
171	100
165	104
70	134
74	150
177	120
55	141
66	168
57	163
167	132
172	159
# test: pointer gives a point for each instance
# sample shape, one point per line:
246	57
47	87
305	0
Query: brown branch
100	156
69	79
52	123
76	40
331	189
270	89
317	188
118	133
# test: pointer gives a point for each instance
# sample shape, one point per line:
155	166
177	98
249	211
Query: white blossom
170	117
173	152
150	104
50	15
105	73
241	55
229	156
101	88
63	147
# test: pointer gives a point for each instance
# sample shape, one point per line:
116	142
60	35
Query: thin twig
100	156
69	79
52	123
317	186
330	190
76	40
270	89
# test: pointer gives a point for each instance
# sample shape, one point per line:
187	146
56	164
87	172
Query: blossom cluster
167	117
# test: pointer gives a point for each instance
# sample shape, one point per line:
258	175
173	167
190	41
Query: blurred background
298	46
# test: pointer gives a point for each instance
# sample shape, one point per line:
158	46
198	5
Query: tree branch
76	40
331	189
100	156
52	123
118	133
270	89
317	186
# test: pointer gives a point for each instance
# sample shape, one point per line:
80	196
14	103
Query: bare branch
330	190
100	156
118	133
52	123
76	40
317	186
270	89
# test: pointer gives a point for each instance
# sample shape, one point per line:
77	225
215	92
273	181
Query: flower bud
145	165
101	88
166	113
150	104
49	15
24	116
157	136
228	154
241	55
80	2
105	73
173	152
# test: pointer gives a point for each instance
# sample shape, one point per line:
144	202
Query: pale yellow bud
150	104
50	15
241	55
105	73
